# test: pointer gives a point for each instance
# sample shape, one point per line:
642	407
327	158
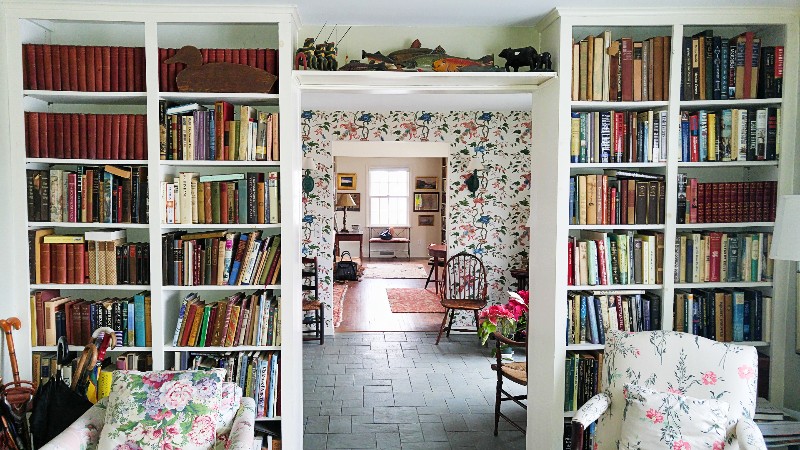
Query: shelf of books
672	139
156	212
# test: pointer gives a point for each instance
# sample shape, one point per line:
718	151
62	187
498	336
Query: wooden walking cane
18	393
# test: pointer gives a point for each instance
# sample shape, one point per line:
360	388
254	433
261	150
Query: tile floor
396	390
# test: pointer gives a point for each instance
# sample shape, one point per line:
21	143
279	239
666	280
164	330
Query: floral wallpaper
489	223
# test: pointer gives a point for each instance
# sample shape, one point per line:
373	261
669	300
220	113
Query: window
388	197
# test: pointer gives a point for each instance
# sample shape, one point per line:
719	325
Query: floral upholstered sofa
164	410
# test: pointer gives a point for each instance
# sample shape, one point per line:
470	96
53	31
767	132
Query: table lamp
786	241
345	201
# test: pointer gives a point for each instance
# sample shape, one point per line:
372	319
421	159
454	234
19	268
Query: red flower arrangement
509	319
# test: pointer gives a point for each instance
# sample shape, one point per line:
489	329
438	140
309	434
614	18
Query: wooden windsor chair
462	288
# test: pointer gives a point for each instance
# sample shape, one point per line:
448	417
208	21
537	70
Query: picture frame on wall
426	202
425	220
345	182
426	183
356	198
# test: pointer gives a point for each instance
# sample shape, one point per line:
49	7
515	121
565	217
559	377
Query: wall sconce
308	181
473	182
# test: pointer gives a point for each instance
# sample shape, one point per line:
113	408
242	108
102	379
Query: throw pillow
663	420
161	410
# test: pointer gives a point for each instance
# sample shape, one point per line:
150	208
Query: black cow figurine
519	57
526	56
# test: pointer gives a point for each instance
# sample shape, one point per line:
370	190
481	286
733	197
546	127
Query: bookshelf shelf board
230	226
616	227
94	287
241	348
734	284
208	98
92	98
87	162
268	419
579	347
86	225
699	104
175	162
569	414
420	82
617	165
616	106
225	287
720	164
615	287
78	348
700	226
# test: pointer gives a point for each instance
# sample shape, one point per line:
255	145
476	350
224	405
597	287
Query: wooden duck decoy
218	76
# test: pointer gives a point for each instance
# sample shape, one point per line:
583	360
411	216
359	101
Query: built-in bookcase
147	29
554	126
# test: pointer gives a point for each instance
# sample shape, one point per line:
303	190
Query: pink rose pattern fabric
163	410
661	420
681	364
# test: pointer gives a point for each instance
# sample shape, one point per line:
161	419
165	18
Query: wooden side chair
514	371
463	287
311	302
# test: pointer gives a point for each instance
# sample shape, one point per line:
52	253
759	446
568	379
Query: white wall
8	306
418	167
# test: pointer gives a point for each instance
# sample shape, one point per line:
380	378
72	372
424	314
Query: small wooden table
348	237
437	251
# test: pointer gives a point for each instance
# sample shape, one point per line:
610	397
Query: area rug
339	289
413	300
395	269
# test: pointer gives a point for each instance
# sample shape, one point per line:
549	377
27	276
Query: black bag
386	235
55	405
346	270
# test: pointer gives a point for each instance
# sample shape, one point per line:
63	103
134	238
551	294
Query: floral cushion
663	420
162	410
230	398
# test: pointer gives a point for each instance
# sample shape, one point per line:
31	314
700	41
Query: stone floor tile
352	440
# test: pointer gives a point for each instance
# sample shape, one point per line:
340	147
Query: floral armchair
235	432
679	363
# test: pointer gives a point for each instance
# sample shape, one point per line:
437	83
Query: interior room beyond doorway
387	182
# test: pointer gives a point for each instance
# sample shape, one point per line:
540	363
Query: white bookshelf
152	26
551	125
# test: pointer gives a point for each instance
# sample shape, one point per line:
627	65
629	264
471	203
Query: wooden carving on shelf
218	76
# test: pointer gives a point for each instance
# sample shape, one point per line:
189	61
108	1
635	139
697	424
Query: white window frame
407	196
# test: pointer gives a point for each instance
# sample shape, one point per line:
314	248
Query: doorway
403	198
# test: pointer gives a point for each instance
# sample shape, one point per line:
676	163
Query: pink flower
746	372
127	446
718	445
173	430
176	395
654	415
155	379
709	378
203	430
680	444
163	414
673	390
637	352
478	201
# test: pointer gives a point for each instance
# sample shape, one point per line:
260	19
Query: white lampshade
475	164
785	237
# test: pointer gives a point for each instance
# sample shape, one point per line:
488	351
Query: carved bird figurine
218	76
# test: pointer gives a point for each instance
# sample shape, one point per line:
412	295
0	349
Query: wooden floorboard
366	308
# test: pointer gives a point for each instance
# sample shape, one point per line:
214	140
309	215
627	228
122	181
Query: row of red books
265	59
85	136
725	202
83	68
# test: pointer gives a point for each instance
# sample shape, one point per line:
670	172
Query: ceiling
452	12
